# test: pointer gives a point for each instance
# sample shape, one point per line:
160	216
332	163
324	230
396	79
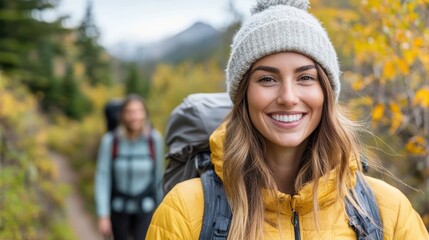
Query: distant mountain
193	43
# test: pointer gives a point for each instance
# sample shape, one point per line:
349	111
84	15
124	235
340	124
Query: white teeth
287	118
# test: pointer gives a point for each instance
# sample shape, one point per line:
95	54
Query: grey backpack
187	135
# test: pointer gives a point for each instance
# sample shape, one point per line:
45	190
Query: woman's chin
134	129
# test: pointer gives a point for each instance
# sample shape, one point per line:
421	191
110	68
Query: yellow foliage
337	21
417	145
57	192
378	112
389	69
397	117
424	58
361	101
418	42
6	104
422	98
100	94
359	82
403	67
46	168
358	85
410	55
29	169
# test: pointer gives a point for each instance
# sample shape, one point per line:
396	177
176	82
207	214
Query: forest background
55	81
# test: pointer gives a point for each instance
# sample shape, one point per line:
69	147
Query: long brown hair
332	145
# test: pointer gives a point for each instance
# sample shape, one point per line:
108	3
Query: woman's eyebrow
304	68
276	70
266	68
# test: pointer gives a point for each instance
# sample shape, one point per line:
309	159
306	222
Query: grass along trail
81	222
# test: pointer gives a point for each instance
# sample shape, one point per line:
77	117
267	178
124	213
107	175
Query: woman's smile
287	118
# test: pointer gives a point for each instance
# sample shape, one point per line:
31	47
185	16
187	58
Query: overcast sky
149	20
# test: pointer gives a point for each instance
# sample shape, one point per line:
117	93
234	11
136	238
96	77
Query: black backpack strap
115	144
152	149
365	227
113	155
217	213
152	152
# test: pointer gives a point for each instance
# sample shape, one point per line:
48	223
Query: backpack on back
112	111
187	135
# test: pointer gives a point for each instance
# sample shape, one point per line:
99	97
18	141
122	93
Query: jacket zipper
295	220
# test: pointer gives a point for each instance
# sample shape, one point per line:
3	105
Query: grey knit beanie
279	26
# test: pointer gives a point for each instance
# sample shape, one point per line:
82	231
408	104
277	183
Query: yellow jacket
180	214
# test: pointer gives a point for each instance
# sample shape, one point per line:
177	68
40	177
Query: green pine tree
48	82
146	88
22	30
133	82
92	54
75	104
28	47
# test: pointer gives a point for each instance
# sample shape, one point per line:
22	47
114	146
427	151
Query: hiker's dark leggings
125	225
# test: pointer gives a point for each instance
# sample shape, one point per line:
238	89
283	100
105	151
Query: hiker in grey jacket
128	173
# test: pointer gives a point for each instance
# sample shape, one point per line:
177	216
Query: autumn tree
384	49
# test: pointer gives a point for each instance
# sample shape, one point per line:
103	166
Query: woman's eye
266	79
306	78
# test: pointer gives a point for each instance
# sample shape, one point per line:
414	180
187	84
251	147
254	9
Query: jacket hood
302	201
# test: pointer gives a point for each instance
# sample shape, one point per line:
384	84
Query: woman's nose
288	94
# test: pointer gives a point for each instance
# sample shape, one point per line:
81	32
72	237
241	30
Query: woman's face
134	115
285	98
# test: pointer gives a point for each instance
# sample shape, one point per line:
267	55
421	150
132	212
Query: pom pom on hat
261	5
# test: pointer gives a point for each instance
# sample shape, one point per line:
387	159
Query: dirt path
80	221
